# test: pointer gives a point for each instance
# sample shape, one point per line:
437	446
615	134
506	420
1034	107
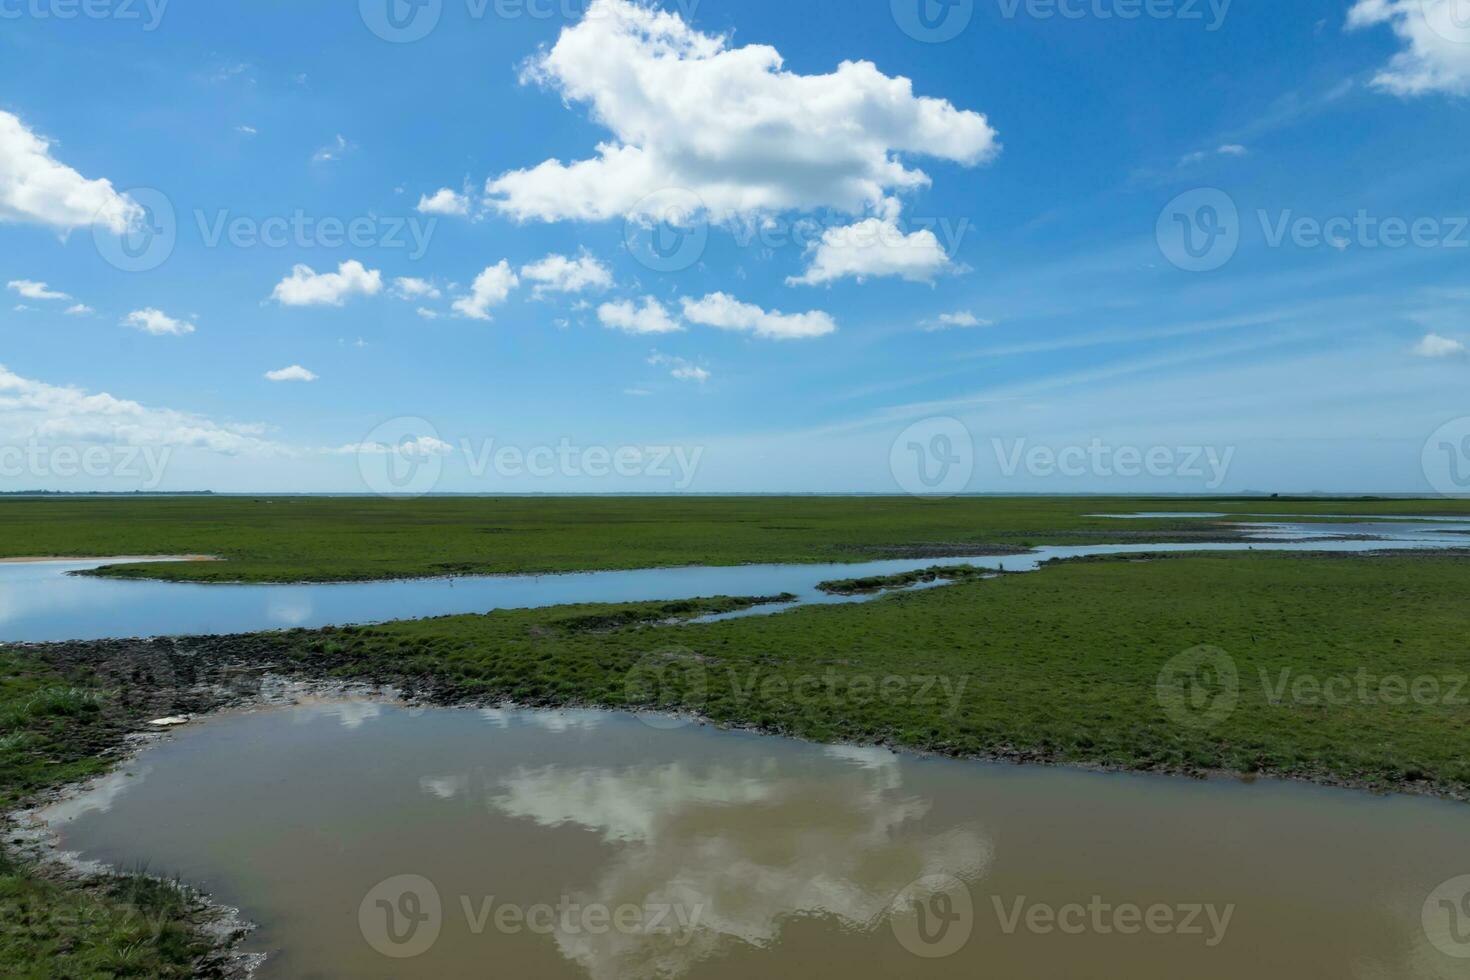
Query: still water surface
44	601
623	850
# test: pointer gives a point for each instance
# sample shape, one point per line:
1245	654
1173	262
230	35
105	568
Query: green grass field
317	539
1058	666
56	728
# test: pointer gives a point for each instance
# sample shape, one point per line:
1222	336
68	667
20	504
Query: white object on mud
170	721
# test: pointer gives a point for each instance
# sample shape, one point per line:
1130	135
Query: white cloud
650	318
1433	345
304	287
247	130
34	409
409	448
1228	150
157	323
679	368
334	150
427	313
687	110
960	318
727	313
1436	39
293	373
875	247
559	274
79	309
407	287
35	187
31	289
445	201
490	288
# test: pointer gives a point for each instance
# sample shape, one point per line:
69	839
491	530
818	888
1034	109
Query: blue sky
908	263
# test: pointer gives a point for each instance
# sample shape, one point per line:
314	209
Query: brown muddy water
371	840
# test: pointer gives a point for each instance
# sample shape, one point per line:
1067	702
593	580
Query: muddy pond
372	840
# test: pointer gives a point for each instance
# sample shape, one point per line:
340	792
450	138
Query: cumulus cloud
304	287
33	409
408	287
445	201
875	247
731	124
158	323
490	288
293	373
35	187
1433	345
559	274
408	448
679	368
651	317
31	289
79	309
1436	45
727	313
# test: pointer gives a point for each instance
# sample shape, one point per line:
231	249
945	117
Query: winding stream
44	601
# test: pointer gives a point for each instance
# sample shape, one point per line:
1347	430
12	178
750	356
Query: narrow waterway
44	601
